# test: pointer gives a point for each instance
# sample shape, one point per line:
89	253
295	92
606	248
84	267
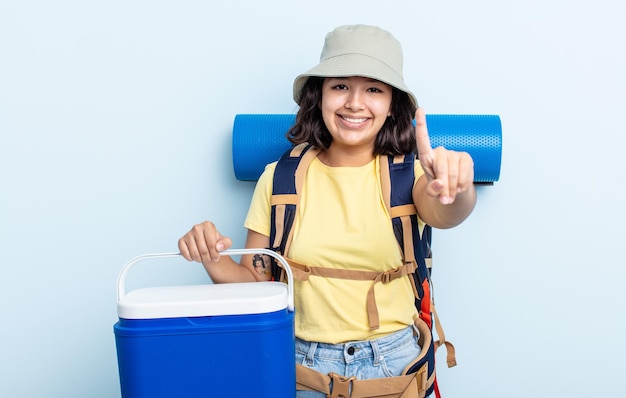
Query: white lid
203	300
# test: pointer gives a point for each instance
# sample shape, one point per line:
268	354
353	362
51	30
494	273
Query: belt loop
376	352
310	355
416	332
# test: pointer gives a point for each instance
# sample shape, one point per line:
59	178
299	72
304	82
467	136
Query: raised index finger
424	149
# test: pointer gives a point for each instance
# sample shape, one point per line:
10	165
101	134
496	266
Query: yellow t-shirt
342	222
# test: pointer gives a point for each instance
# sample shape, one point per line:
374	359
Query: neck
338	157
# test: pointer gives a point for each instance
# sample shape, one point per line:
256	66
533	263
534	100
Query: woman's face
354	109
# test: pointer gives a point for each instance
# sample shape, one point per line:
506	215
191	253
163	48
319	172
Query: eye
374	90
340	87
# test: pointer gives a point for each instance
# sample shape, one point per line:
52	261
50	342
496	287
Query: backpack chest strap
301	273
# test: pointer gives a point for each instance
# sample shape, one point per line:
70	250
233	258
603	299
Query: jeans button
351	350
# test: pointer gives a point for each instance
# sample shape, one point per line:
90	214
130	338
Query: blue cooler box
213	340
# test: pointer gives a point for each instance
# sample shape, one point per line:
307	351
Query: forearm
251	268
226	270
204	244
451	215
443	216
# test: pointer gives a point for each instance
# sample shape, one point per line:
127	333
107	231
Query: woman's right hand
203	243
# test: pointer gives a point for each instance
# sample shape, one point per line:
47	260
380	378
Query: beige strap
406	386
403	210
306	160
285	199
309	379
398	159
385	181
450	350
407	234
342	386
297	150
301	273
280	225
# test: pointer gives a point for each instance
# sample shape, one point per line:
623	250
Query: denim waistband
355	350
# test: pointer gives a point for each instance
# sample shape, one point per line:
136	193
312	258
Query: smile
354	120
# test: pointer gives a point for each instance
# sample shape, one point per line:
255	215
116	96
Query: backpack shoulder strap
288	180
397	179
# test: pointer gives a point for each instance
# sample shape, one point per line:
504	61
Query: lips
354	120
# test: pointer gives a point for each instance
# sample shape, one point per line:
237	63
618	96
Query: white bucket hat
359	50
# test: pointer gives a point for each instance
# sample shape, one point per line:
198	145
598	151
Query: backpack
397	178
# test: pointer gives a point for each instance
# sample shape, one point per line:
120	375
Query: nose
354	101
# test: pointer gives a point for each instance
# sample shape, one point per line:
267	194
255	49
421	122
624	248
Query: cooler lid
203	300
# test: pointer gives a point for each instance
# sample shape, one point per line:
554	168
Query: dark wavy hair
396	137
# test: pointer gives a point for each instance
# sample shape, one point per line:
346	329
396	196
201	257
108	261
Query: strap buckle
390	275
341	386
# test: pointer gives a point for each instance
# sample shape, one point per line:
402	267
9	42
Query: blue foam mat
259	139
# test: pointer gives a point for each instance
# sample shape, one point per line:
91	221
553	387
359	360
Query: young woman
354	106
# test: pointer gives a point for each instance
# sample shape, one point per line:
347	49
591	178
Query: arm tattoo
261	264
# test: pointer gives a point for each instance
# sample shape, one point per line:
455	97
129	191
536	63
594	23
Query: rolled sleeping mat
259	139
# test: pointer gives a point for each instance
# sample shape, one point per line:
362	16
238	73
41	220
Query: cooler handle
121	280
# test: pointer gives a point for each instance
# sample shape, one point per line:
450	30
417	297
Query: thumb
436	189
223	243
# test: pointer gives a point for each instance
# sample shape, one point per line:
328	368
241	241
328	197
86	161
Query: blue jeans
368	359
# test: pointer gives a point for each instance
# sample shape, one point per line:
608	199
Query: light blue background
115	133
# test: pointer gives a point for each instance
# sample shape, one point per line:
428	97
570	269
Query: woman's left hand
449	172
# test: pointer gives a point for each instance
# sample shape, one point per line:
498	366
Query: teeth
351	120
